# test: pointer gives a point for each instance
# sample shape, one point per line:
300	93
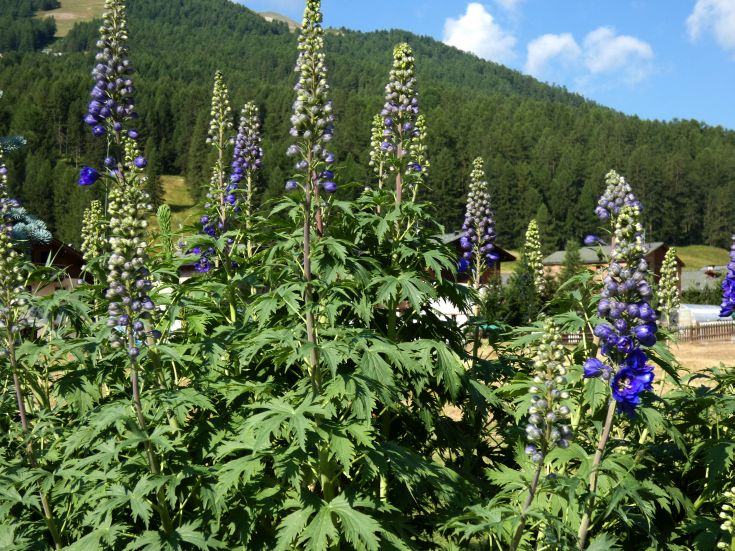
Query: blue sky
658	59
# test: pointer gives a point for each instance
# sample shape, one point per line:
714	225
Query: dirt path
701	355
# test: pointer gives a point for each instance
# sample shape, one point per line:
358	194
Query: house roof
58	254
453	237
598	254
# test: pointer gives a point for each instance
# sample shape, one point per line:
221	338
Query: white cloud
550	47
476	31
717	17
606	52
509	5
603	54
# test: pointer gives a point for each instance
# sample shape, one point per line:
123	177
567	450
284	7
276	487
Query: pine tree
572	261
154	185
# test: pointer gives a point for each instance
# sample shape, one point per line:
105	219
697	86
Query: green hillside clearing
698	256
176	195
74	11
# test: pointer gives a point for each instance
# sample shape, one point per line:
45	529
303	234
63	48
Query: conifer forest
281	373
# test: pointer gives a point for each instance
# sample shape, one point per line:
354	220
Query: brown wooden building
595	258
453	240
61	256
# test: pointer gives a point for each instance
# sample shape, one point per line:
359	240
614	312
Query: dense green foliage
304	393
546	150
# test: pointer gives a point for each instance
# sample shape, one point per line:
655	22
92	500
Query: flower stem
153	463
586	519
526	505
47	512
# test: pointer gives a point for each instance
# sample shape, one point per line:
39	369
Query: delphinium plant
669	293
629	329
14	318
378	152
131	310
312	126
727	515
93	231
221	197
548	420
478	229
337	432
402	141
248	160
313	129
478	236
532	252
617	194
727	308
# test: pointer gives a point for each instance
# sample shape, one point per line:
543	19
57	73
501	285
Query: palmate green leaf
8	540
373	366
719	458
119	496
603	542
104	536
317	526
292	526
387	292
662	356
492	521
278	413
321	533
237	472
184	537
189	533
358	528
197	324
596	392
417	291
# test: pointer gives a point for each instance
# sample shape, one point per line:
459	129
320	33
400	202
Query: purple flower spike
630	318
479	227
727	308
140	162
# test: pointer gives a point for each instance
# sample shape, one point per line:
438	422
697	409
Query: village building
595	258
493	271
63	257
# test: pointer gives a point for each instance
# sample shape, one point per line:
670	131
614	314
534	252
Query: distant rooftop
591	255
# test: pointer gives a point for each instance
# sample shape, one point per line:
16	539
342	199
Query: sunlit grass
698	256
177	196
73	11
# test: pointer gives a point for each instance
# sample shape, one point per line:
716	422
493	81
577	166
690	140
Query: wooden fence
706	331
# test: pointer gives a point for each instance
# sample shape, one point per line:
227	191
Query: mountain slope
547	150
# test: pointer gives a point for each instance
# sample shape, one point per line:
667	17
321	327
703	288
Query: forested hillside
547	150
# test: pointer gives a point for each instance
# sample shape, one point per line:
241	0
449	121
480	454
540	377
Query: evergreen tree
521	300
572	261
154	185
